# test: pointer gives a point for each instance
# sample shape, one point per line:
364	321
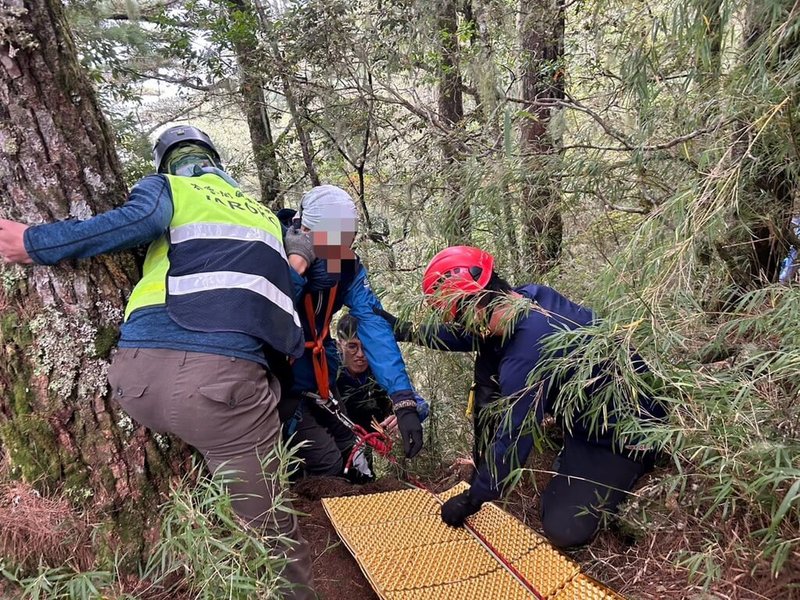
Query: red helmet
456	272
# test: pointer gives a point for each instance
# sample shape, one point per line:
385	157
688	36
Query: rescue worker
329	275
363	399
483	392
509	326
214	303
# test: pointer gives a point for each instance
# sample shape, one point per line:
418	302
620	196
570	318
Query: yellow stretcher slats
461	486
425	528
509	537
582	587
498	584
407	553
433	565
547	569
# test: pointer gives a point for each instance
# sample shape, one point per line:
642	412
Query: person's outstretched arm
385	359
143	218
447	336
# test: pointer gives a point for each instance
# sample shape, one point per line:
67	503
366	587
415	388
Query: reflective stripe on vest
221	266
223	231
220	280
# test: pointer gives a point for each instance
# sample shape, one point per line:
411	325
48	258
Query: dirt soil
336	573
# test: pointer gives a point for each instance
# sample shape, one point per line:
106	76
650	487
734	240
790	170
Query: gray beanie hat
328	208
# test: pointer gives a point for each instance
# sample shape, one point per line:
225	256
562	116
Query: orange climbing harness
378	440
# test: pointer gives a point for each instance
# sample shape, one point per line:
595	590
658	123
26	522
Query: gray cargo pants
227	409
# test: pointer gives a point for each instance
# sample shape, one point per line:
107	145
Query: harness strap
318	358
378	440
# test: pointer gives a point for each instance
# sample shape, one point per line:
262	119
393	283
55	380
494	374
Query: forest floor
640	569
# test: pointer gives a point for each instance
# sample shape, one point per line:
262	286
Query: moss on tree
32	450
105	340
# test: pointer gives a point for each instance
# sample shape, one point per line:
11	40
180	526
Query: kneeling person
509	327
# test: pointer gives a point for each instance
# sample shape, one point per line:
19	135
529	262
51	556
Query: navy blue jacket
363	398
515	359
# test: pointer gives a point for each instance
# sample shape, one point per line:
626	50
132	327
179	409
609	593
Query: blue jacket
516	358
376	335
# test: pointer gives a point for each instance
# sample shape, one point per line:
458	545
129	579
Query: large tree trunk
451	112
709	53
58	428
541	27
255	105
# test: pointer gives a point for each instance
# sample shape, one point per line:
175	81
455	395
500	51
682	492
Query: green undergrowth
203	551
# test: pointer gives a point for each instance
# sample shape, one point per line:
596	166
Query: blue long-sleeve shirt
143	218
376	335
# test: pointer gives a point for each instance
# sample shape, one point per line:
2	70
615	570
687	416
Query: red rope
503	560
378	440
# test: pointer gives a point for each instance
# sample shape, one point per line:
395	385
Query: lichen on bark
61	344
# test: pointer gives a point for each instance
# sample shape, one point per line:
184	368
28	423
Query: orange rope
316	345
377	440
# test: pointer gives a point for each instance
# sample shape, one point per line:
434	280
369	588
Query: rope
494	551
317	344
378	440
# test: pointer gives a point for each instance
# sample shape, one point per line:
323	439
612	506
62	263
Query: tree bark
541	32
58	428
255	106
451	112
709	55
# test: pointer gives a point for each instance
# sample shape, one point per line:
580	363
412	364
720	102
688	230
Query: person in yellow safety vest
215	302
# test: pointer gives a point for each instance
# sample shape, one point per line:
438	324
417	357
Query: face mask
183	160
219	172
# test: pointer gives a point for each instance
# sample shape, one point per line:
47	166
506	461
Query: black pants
591	480
328	441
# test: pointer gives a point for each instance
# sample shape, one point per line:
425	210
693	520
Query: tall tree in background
450	104
541	34
254	105
765	136
57	160
296	107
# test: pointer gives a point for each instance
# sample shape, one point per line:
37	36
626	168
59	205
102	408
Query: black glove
410	429
299	242
456	510
403	331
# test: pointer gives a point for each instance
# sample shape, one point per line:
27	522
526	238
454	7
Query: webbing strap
318	358
507	564
378	440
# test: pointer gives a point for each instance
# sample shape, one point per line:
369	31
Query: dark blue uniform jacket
514	360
